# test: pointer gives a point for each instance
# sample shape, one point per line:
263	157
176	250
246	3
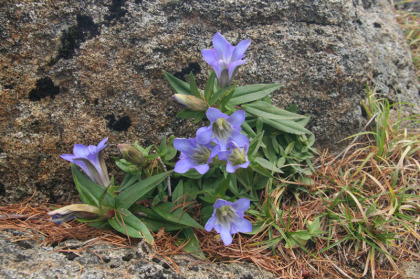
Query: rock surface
27	259
79	71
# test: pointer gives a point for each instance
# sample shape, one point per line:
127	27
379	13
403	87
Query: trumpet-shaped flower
228	218
72	211
223	128
91	160
225	58
236	157
194	155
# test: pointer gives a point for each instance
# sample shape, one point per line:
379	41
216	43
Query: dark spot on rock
115	11
71	38
154	92
8	86
398	91
138	1
359	22
70	255
248	276
44	88
156	260
377	25
24	244
166	266
21	258
119	125
96	102
2	189
194	268
113	266
192	68
128	257
106	260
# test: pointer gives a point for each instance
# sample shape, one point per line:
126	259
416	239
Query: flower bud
83	211
131	154
191	102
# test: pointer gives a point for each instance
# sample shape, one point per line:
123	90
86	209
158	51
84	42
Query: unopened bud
131	154
83	211
191	102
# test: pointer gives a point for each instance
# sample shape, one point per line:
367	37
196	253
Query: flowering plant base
220	173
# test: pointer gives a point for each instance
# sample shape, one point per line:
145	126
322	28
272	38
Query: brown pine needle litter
369	214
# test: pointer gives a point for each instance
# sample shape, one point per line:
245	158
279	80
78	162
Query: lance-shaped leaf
178	85
269	111
136	191
127	223
170	213
250	93
90	192
287	126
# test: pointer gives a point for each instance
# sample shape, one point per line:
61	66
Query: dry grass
368	206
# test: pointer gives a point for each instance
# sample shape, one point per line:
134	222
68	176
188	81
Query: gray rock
27	259
79	71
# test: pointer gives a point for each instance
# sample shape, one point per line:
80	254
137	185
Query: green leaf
187	114
193	245
178	192
266	110
193	87
127	223
250	93
136	191
215	97
178	85
267	164
168	212
208	91
90	192
287	126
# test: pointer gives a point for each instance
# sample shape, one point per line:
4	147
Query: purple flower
236	156
194	155
223	128
66	213
91	160
228	218
225	58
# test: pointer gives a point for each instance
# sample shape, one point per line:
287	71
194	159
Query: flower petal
230	168
241	204
226	236
213	114
241	225
204	135
221	45
210	223
202	169
237	118
240	50
183	165
239	139
183	145
220	203
80	150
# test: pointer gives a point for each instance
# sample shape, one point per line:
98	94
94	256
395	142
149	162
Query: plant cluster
220	173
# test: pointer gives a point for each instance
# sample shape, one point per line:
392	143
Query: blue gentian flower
194	155
225	58
91	160
66	213
223	128
236	156
228	218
